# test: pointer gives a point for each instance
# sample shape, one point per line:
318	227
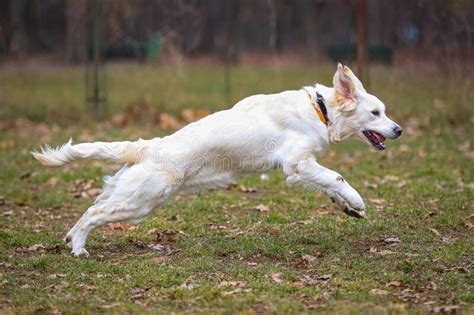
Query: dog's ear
358	85
346	85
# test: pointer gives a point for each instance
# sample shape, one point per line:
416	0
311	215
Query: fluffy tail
123	152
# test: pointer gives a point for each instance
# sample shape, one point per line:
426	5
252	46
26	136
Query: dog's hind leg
137	192
110	183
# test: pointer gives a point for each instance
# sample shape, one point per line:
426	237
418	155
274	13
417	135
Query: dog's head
358	113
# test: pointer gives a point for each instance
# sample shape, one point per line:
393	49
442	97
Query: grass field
258	247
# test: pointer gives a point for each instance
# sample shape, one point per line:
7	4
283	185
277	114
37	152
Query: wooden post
232	8
95	72
362	40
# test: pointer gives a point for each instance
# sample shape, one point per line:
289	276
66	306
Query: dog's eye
376	113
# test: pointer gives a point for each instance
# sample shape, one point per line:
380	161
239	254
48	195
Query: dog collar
319	107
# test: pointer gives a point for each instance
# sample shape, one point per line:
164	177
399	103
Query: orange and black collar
319	107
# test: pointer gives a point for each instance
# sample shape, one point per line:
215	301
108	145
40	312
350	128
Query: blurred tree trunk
362	39
231	42
272	20
18	39
75	12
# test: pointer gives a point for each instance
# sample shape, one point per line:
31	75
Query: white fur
259	133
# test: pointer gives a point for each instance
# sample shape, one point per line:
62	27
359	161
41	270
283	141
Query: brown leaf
306	280
187	285
262	208
240	284
276	277
394	283
447	309
168	236
109	306
469	221
117	226
246	189
25	175
469	154
378	202
56	275
190	115
168	121
307	259
161	259
238	290
435	231
157	247
378	292
325	277
52	182
392	240
93	192
36	248
217	227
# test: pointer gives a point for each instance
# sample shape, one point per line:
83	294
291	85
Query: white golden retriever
259	133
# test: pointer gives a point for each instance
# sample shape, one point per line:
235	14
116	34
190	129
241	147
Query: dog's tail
123	152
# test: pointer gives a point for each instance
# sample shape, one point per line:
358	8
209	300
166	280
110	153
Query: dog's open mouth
375	138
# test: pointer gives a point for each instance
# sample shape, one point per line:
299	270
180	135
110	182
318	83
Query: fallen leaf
325	277
240	284
394	283
447	309
187	285
392	240
117	226
378	292
217	227
168	121
246	189
434	231
36	248
161	259
377	202
307	259
276	277
305	222
52	182
109	306
262	208
93	192
25	175
190	115
238	290
56	275
168	236
157	247
469	221
469	154
307	280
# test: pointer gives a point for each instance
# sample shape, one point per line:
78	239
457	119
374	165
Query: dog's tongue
379	137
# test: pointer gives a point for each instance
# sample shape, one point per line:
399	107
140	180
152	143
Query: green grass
417	190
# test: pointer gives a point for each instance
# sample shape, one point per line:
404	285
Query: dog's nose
397	130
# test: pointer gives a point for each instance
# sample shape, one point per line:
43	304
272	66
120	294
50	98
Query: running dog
259	133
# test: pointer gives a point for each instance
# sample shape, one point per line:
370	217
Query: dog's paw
354	213
80	252
67	238
352	199
354	208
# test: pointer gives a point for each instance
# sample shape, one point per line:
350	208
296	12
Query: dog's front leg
309	173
